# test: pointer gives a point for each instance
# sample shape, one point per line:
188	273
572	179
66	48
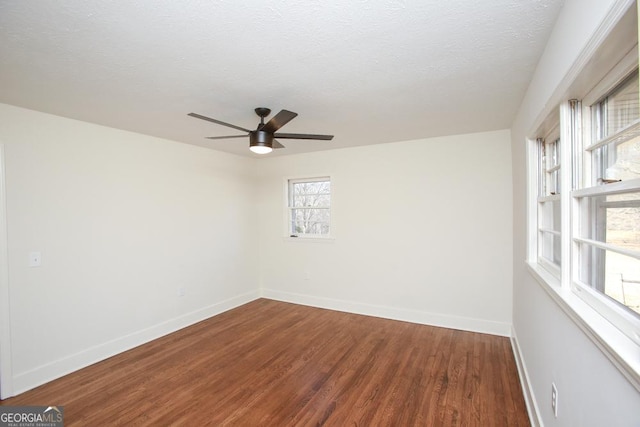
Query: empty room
292	213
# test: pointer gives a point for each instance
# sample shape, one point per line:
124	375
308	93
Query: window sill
615	345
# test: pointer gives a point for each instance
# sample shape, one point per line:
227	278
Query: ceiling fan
262	140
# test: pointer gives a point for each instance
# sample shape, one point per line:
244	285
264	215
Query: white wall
592	392
122	221
422	232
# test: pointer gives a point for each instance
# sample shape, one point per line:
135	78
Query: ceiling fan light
260	142
261	149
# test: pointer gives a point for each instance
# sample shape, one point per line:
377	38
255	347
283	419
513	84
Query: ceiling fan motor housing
259	138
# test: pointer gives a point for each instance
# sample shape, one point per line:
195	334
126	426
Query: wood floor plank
270	363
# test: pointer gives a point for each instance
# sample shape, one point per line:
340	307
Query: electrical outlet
35	259
182	291
554	400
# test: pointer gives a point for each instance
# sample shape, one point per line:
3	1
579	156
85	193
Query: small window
309	207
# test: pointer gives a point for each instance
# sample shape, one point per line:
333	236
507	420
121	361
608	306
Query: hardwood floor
270	363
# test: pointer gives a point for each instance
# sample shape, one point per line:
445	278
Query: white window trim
330	238
622	351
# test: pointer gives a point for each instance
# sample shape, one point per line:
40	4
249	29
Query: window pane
550	215
317	187
312	200
621	107
618	161
551	248
311	227
617	110
310	221
614	275
554	183
549	158
615	220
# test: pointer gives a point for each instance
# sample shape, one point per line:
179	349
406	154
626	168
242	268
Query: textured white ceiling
367	71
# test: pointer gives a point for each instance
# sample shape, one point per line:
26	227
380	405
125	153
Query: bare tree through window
310	207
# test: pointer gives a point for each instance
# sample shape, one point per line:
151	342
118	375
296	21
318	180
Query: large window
607	237
309	204
595	192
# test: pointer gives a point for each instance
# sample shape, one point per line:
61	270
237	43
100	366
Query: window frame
289	233
545	169
588	186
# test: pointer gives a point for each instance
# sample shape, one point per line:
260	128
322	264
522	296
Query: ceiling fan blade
226	137
275	145
218	122
302	136
279	120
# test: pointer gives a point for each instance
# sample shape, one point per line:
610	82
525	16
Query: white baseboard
406	315
529	397
56	369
